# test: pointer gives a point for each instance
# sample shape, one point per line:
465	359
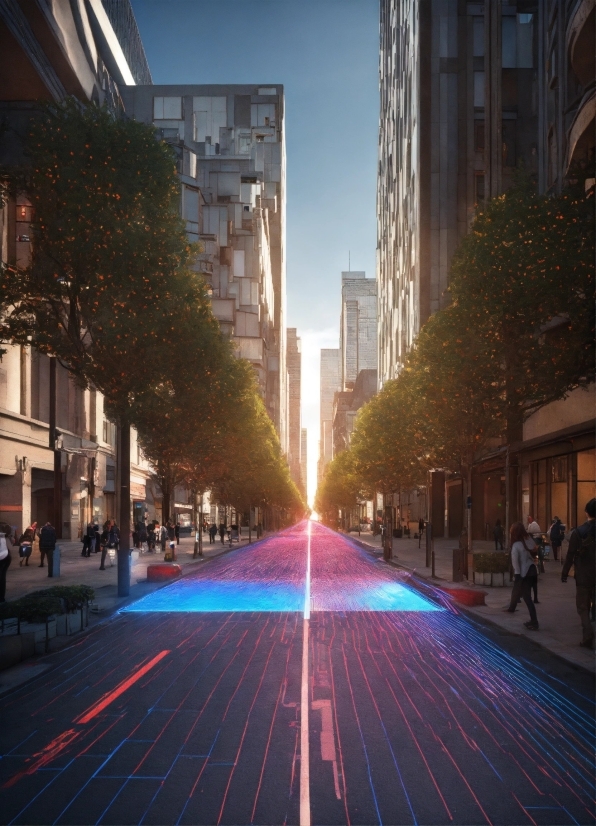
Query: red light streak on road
109	698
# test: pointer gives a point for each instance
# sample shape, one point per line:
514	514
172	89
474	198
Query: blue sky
325	52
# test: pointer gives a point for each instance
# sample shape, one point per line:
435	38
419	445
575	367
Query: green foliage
73	596
341	487
40	605
491	563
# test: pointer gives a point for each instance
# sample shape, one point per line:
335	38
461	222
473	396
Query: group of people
526	559
24	545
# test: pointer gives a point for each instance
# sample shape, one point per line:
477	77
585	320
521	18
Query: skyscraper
230	144
294	362
330	384
358	326
304	459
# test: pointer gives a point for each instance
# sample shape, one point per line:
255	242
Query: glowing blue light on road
210	595
384	596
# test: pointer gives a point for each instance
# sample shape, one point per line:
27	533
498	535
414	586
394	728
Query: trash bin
56	561
458	565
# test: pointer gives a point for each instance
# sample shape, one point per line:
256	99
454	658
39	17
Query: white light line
304	700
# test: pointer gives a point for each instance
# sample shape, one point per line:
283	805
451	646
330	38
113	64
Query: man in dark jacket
581	555
557	535
47	545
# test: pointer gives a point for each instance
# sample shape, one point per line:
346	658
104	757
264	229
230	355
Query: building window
167	108
509	134
517	51
109	433
479	136
479	89
479	187
478	35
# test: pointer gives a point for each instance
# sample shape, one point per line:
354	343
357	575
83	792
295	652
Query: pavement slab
411	713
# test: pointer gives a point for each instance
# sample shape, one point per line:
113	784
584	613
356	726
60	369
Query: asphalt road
296	681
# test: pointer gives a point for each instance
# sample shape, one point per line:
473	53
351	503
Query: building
49	53
304	459
346	405
330	384
459	111
358	326
230	142
469	91
294	360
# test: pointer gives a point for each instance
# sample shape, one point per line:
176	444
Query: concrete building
304	459
346	405
48	53
358	326
459	111
469	91
230	142
330	384
294	362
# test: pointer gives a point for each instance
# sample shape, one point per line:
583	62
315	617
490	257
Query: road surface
296	681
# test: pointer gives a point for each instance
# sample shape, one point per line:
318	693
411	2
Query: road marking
304	744
328	740
120	689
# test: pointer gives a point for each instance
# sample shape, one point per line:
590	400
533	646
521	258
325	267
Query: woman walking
523	555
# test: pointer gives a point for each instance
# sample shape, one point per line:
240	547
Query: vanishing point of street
297	680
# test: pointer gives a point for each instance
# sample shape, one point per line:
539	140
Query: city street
298	680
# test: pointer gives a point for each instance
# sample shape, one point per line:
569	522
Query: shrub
491	563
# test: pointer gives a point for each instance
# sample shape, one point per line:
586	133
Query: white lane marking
328	739
304	744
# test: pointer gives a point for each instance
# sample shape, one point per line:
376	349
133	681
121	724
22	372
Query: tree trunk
123	451
57	501
165	502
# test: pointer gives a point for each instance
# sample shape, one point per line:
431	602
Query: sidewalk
78	570
560	628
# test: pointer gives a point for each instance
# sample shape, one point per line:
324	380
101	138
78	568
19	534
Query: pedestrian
557	534
177	532
420	526
523	554
47	545
103	541
5	557
172	540
26	544
499	535
88	540
535	531
143	535
96	538
581	555
222	532
212	533
162	533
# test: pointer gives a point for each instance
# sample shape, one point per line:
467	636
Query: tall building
230	143
330	384
358	326
304	459
294	362
470	91
459	112
49	52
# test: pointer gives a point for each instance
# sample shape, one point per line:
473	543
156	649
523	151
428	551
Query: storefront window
586	481
558	490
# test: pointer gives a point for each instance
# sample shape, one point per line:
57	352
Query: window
509	134
210	115
479	136
517	41
478	37
479	187
167	108
479	89
109	433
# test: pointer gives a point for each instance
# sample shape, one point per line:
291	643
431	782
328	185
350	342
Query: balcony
580	40
580	138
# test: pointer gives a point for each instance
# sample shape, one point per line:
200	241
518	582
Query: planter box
493	580
67	624
161	571
38	630
16	648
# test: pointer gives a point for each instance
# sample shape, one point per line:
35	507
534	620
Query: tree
340	488
109	284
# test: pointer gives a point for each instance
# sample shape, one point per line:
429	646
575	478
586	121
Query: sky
325	52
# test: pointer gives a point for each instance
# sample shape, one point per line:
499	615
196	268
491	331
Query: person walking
162	533
420	526
557	534
524	568
103	542
222	532
581	554
47	545
499	535
26	544
88	540
5	557
212	533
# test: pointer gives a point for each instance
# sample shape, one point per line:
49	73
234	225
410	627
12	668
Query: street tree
109	285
